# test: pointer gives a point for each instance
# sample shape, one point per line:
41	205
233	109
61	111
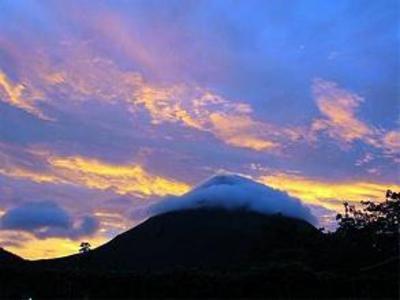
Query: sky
109	107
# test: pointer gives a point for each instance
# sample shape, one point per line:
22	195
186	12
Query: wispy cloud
340	121
17	95
391	144
91	77
123	179
338	106
91	173
201	109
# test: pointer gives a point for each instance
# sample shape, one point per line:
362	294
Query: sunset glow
109	107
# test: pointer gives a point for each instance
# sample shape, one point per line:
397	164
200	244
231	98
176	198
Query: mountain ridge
205	238
8	258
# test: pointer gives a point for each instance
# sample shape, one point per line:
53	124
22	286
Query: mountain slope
8	259
191	238
209	253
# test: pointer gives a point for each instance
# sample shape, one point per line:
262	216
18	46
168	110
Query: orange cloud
19	96
339	108
341	123
241	131
198	108
87	75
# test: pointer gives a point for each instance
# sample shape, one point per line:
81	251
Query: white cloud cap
231	191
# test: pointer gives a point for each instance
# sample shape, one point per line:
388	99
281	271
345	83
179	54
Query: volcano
193	238
208	251
222	222
8	259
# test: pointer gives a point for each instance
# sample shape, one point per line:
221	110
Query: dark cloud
47	219
36	216
232	192
87	226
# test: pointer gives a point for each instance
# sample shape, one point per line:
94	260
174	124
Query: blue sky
106	107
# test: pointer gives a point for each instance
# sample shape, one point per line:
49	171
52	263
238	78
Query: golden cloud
87	172
123	179
327	194
38	177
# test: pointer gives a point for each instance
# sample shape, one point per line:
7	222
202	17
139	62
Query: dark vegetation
212	253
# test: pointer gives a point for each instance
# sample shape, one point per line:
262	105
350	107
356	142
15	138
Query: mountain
8	259
211	253
205	238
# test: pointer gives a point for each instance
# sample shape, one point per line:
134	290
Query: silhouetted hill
205	238
8	259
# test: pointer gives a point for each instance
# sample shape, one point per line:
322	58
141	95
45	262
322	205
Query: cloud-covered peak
232	191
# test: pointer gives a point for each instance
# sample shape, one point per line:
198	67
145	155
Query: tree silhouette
84	247
375	224
381	218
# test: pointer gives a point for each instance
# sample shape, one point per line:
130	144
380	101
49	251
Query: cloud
235	192
47	219
339	108
18	95
33	216
87	76
34	176
123	179
242	131
328	194
340	122
229	121
391	143
85	227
